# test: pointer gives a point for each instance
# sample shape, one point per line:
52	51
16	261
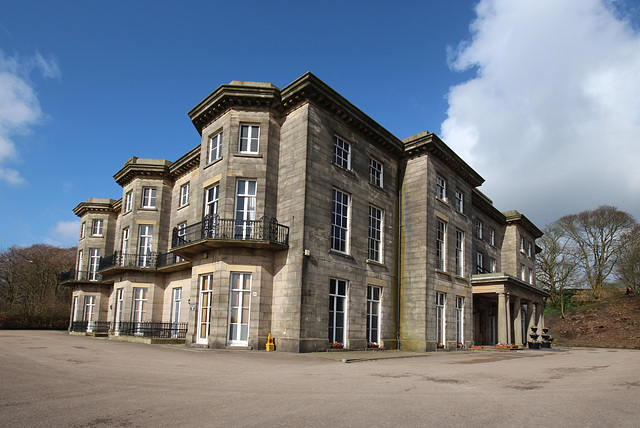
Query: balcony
120	262
216	232
73	277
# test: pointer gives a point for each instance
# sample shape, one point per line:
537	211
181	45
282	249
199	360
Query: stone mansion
298	215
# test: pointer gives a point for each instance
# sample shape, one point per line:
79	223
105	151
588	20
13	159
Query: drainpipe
399	185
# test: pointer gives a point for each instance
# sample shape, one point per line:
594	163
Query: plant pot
534	345
545	344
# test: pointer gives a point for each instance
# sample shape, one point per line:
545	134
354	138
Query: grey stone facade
323	225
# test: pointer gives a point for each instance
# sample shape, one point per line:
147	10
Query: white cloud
19	106
66	232
552	118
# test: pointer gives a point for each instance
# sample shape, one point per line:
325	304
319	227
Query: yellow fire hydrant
270	344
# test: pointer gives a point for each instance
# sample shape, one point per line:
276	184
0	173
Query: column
508	318
517	321
539	318
530	319
502	319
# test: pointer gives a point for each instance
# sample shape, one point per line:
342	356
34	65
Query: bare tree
30	291
598	240
628	267
556	267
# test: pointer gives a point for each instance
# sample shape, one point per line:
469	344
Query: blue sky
549	117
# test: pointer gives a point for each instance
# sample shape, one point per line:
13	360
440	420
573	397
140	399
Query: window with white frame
249	139
96	229
337	310
375	234
128	202
239	308
341	153
459	252
148	197
479	227
80	264
211	195
246	191
124	249
182	233
94	263
375	172
340	222
459	200
204	309
441	188
215	147
529	247
523	273
530	276
441	250
184	194
522	244
83	229
145	242
460	320
479	263
373	314
493	265
176	305
139	312
441	299
74	313
89	311
492	237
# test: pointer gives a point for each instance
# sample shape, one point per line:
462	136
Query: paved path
50	379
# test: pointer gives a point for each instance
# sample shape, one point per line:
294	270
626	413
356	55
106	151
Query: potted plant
460	345
440	345
372	345
337	345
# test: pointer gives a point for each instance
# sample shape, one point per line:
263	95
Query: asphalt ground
50	379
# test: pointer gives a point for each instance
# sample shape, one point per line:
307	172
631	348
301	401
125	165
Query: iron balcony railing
144	261
213	227
84	275
160	330
90	326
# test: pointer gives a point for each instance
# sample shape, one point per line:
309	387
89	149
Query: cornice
136	167
309	88
95	205
235	94
522	221
480	201
428	142
188	162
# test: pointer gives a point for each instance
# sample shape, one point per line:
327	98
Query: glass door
245	208
175	311
118	311
89	309
204	313
239	304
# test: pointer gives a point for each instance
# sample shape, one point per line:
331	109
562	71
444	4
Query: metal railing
119	259
143	261
161	330
213	227
83	275
90	326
